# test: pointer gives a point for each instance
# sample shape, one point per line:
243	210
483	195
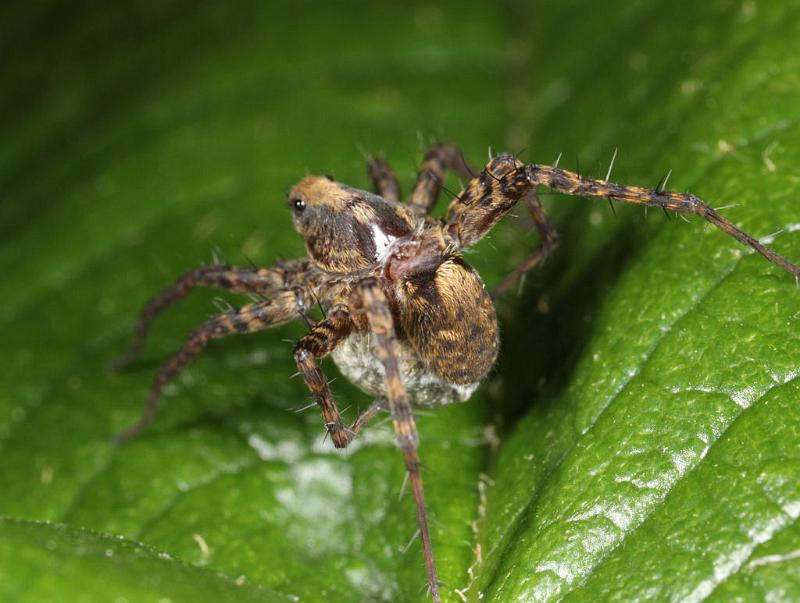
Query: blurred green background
640	437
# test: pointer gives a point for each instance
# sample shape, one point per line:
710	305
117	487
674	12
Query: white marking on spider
383	242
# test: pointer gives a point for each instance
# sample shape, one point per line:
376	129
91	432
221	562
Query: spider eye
298	204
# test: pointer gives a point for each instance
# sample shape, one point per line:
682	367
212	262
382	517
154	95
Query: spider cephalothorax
407	319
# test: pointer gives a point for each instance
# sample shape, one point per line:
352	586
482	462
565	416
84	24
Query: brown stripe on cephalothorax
394	219
339	242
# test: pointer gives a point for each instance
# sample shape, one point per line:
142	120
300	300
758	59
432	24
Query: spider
407	319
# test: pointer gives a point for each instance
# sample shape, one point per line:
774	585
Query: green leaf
50	562
660	458
640	437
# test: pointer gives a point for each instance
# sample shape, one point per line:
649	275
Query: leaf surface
640	436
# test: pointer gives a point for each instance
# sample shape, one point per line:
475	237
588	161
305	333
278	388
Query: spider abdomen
450	321
358	361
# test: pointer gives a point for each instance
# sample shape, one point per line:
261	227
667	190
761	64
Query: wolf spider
407	319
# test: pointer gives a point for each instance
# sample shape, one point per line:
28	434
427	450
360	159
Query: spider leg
261	281
486	199
505	181
366	416
279	309
438	160
548	241
317	343
383	179
570	183
372	300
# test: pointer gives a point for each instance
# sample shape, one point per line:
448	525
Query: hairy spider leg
438	159
548	241
430	179
505	180
260	281
280	308
373	302
365	417
484	201
318	343
384	181
567	182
